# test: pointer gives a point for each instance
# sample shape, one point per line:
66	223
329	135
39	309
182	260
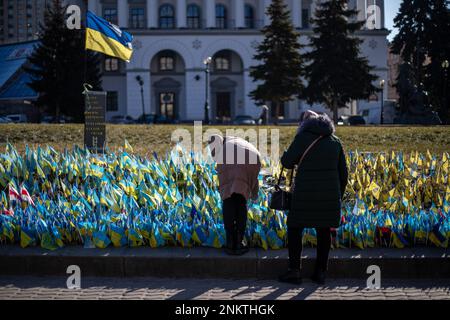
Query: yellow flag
127	147
391	193
406	182
375	189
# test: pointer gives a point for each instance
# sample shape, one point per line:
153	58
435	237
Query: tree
336	72
424	27
280	68
59	66
410	43
437	70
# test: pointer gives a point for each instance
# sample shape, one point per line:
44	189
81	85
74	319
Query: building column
361	7
264	4
382	12
209	7
123	12
297	13
93	6
152	14
238	10
195	95
249	104
134	98
313	8
181	14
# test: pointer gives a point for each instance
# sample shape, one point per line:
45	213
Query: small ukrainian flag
102	36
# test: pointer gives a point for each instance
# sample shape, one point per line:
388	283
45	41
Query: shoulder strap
307	150
300	161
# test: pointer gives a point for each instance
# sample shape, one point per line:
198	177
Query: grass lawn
147	139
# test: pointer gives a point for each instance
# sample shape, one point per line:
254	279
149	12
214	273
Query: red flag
13	194
9	212
26	196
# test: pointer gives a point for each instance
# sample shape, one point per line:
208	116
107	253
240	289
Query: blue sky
391	10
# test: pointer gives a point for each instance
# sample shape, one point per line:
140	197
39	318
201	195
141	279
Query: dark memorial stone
94	121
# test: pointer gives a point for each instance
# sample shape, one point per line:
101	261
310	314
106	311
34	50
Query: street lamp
141	84
382	82
207	63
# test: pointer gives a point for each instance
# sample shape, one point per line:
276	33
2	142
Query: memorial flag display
123	199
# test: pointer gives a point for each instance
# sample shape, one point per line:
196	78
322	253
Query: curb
420	263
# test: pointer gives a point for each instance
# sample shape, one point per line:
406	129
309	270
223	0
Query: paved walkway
204	289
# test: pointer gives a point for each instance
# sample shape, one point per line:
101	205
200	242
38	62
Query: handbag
281	199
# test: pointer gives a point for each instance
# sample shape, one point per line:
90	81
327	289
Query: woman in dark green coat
320	184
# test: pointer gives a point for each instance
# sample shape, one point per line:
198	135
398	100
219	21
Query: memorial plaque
94	121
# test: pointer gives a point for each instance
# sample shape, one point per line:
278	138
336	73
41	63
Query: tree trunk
57	113
277	112
335	111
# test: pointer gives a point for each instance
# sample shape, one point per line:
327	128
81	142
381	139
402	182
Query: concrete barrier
425	263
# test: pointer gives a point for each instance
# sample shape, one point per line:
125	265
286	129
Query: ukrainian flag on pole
102	36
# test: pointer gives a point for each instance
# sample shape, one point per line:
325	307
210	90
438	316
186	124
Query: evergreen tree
280	68
410	43
437	71
336	73
60	65
422	42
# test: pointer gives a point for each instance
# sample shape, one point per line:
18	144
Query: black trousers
235	213
295	247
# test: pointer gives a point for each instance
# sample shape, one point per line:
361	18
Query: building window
137	18
166	62
249	17
111	64
193	16
222	62
305	18
221	16
112	101
166	17
110	14
167	105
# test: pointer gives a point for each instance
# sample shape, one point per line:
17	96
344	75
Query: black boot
319	276
291	276
229	246
241	246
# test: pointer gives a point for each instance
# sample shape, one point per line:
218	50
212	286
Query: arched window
249	17
166	61
193	16
221	16
166	17
222	61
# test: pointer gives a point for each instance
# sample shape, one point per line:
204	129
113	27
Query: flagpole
85	50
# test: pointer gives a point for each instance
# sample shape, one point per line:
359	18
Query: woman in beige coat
238	166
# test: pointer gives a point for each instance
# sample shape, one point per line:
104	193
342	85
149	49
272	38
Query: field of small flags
55	199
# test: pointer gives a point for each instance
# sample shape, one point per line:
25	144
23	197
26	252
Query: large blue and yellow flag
102	36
